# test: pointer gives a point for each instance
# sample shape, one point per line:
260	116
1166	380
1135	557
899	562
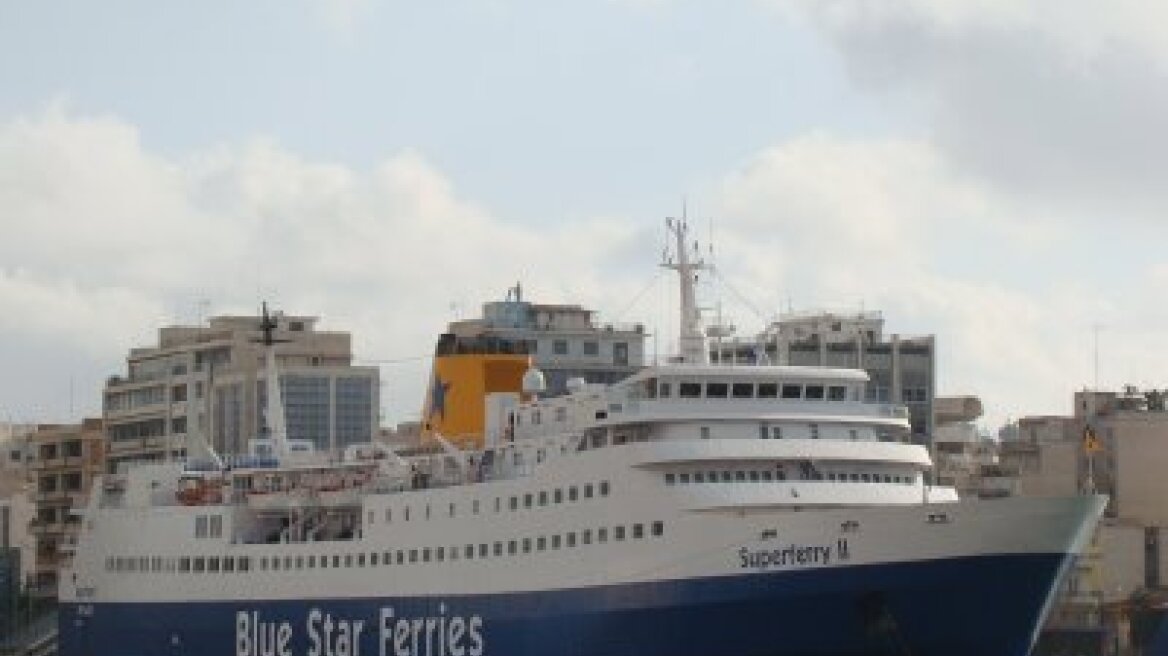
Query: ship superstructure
689	509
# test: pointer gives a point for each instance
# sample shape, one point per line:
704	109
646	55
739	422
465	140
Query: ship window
556	541
777	432
360	560
200	564
401	556
439	554
683	478
792	391
705	432
716	390
212	564
216	526
184	564
602	535
764	431
815	392
689	390
413	555
603	488
618	533
474	506
572	493
753	476
453	551
527	500
740	475
766	475
387	558
814	431
498	549
887	478
287	562
558	497
540	543
663	390
388	515
727	476
427	511
543	497
768	390
638	531
658	528
514	503
469	551
156	564
669	479
853	434
512	547
586	536
742	390
407	514
452	509
312	562
571	539
483	552
713	477
699	477
426	555
336	561
855	478
588	491
373	558
837	393
201	526
244	564
866	478
526	545
324	562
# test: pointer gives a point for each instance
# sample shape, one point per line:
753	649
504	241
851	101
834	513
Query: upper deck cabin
685	394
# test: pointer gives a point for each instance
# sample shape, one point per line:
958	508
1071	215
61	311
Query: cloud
106	241
1046	99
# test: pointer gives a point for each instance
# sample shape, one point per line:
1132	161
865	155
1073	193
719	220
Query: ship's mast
278	431
692	341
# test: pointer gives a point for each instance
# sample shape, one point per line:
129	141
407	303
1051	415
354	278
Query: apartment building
565	341
206	385
66	458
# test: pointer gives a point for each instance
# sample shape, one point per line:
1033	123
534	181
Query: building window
716	390
663	390
792	391
815	392
768	390
591	348
689	390
560	347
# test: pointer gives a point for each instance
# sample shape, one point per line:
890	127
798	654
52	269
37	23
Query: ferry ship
691	509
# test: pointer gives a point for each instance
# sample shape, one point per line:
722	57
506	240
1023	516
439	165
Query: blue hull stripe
976	606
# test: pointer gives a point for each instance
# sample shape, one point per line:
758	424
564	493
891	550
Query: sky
988	171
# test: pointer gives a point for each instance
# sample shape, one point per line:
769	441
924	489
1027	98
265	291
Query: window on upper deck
689	390
792	391
663	390
717	390
742	390
650	388
814	392
837	393
768	390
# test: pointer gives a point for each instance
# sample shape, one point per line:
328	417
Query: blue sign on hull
977	606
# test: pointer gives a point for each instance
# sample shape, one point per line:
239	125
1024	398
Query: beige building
208	380
565	341
66	458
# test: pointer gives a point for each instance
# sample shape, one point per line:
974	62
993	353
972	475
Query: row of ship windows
481	551
787	391
766	475
542	498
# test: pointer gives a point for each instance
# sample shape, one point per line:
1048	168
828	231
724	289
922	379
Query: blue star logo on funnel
438	397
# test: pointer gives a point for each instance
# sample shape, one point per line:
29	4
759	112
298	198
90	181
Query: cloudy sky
994	172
